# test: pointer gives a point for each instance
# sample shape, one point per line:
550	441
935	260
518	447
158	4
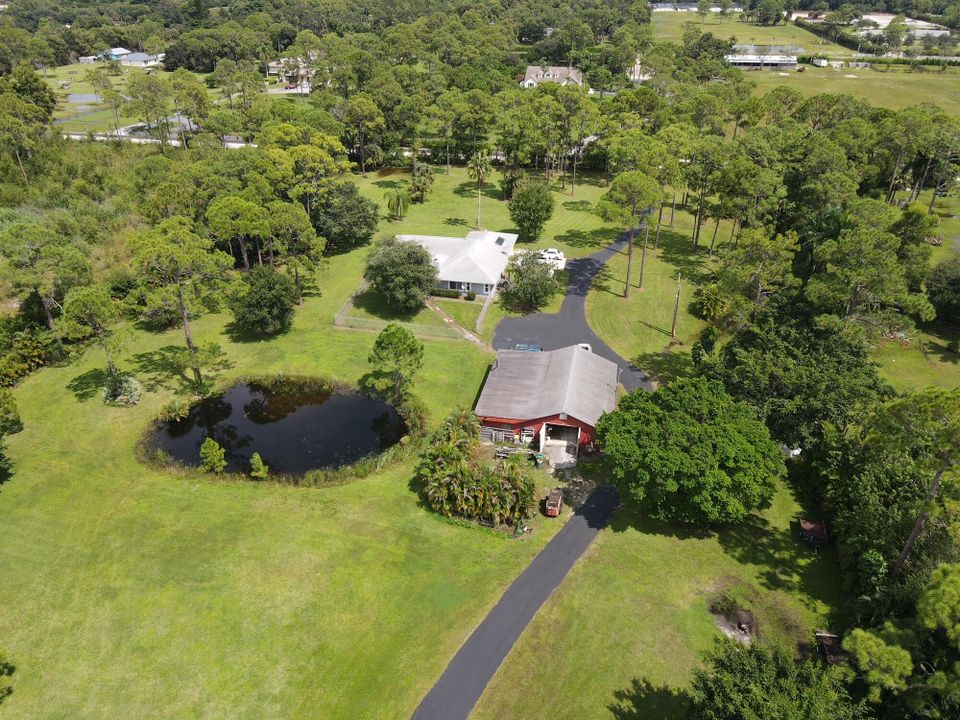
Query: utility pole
643	255
676	310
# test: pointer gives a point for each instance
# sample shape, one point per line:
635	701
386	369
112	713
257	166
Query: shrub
213	458
943	287
265	306
530	208
345	218
122	391
31	349
444	293
403	273
259	470
456	484
530	283
471	296
420	183
709	303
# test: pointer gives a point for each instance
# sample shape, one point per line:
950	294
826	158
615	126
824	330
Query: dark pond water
294	431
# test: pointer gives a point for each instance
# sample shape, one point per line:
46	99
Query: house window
487	288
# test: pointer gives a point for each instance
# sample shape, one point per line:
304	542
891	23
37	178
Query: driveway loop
569	326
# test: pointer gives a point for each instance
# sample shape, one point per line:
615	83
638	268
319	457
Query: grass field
622	634
451	209
638	328
131	592
669	26
463	311
895	89
85	117
931	357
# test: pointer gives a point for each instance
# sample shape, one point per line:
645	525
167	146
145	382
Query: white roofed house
537	74
471	264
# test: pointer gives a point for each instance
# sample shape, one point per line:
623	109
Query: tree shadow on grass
88	384
596	238
373	303
388	184
941	348
244	335
469	189
578	205
643	701
666	366
163	368
604	281
786	563
630	518
455	221
675	250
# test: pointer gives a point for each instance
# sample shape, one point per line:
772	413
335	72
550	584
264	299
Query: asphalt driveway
463	682
569	326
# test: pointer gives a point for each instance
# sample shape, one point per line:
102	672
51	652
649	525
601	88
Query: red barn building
556	396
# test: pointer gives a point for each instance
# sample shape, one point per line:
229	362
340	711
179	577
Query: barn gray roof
530	385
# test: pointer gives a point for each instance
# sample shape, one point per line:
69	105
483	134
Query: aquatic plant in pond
295	426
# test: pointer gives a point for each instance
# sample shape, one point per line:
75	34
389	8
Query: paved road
569	326
463	682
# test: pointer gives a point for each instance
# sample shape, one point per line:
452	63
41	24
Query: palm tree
479	167
398	202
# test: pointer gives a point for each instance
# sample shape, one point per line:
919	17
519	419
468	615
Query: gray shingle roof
529	385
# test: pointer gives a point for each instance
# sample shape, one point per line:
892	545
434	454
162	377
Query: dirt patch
387	172
739	625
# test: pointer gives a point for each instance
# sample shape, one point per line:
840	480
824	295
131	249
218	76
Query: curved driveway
569	326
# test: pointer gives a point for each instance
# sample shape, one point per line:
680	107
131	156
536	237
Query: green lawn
622	634
638	328
930	358
451	209
669	26
465	312
895	89
85	117
137	593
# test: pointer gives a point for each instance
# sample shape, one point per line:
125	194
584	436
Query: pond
294	427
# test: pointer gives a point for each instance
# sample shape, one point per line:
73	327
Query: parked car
551	254
554	502
290	86
527	347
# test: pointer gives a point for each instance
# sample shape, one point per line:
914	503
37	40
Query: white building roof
750	59
480	257
531	385
119	51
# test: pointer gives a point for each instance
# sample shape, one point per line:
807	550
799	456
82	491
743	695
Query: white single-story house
87	59
141	60
471	264
537	74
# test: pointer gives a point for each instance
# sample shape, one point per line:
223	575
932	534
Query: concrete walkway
463	682
569	326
